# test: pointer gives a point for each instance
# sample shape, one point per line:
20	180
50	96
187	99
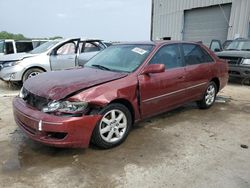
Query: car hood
229	53
15	57
60	84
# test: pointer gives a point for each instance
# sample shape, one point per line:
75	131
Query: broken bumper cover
13	73
239	71
72	132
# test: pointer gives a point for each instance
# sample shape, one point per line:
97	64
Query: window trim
91	42
201	48
179	51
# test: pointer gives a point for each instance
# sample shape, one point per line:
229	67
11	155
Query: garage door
205	24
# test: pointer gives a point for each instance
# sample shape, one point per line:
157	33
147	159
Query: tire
111	131
31	73
209	96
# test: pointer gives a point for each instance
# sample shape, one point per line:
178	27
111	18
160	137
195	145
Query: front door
162	91
64	56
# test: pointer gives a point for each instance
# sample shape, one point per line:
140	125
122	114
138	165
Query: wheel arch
128	104
217	82
34	67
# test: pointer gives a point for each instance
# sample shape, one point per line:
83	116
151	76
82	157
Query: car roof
156	42
242	40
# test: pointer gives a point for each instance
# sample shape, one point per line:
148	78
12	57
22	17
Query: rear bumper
240	72
53	130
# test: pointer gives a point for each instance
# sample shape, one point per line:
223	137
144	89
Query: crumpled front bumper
14	73
72	132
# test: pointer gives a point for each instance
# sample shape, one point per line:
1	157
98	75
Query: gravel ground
186	147
8	89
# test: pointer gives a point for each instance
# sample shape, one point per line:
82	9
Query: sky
111	20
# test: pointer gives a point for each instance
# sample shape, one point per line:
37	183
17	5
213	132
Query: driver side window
67	49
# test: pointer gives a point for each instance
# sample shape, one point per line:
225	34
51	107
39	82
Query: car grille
232	60
35	101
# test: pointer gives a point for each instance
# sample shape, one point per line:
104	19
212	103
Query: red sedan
123	84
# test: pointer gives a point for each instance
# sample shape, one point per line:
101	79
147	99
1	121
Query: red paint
157	92
78	130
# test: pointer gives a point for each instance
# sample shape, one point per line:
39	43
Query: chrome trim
174	92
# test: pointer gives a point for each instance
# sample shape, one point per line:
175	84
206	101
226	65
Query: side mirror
217	50
154	68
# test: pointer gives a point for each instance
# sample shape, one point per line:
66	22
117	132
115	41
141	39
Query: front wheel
114	126
209	96
30	73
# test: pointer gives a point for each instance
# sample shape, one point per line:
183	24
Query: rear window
1	46
24	46
9	48
194	54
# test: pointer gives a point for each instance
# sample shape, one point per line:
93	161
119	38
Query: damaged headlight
10	64
23	93
65	107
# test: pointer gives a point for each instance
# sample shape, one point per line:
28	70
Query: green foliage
7	35
56	37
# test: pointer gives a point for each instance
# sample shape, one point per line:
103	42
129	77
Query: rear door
64	56
162	91
198	69
89	49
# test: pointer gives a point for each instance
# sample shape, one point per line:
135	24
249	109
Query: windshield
121	58
1	46
44	47
239	45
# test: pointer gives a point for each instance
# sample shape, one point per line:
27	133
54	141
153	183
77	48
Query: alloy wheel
113	126
210	95
33	74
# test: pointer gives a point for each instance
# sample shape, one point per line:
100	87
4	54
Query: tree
7	35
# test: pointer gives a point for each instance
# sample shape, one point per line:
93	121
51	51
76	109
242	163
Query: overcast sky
116	20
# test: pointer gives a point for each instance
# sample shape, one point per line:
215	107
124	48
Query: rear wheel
209	96
30	73
114	126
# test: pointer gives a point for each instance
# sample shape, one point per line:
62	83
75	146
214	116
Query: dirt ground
186	147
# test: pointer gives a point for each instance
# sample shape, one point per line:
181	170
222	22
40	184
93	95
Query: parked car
237	53
51	56
9	46
123	84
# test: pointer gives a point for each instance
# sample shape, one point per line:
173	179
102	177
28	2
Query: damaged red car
123	84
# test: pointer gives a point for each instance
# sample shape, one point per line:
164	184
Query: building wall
168	17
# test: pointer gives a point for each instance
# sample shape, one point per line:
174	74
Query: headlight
246	62
10	64
65	107
23	93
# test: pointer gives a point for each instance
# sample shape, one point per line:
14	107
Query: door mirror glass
154	68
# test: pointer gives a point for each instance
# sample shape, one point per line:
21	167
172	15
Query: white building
200	20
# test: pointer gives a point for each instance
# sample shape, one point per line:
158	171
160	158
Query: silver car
51	56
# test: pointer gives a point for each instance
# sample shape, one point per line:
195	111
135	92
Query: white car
51	56
10	46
